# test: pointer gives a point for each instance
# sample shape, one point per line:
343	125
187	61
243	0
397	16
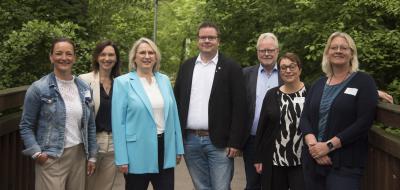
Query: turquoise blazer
134	127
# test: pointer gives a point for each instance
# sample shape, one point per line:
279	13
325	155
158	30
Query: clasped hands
319	151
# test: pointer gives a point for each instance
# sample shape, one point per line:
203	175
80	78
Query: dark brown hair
292	57
115	71
61	39
208	25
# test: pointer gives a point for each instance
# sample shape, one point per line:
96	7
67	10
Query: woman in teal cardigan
147	134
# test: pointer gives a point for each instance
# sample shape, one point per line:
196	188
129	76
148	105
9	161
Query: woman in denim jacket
57	124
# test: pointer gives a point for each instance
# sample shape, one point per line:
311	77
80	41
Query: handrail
12	97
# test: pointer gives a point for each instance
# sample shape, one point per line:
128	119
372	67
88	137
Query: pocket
49	106
49	162
131	138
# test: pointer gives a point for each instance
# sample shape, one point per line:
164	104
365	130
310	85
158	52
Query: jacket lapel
253	85
218	72
139	90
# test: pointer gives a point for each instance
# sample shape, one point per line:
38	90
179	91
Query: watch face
330	145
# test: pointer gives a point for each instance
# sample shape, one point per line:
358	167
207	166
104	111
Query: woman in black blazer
338	113
278	139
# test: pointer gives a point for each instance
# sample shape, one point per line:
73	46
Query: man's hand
385	96
232	152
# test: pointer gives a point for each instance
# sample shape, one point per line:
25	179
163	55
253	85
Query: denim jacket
43	119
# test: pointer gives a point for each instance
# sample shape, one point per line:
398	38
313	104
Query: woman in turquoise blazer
147	134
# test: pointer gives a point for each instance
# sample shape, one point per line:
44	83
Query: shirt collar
214	60
261	69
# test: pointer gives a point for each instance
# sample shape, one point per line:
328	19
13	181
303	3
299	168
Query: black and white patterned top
288	143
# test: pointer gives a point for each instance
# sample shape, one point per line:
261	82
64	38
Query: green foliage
303	27
25	54
177	25
394	90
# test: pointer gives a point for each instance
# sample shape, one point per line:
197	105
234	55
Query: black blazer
227	103
250	75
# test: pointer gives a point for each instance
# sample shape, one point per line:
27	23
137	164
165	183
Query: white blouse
157	102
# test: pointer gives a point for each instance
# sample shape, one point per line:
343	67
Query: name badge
299	100
351	91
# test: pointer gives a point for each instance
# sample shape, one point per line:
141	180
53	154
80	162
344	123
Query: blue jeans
208	165
252	177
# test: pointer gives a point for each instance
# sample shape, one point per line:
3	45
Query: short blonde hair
135	46
326	65
265	36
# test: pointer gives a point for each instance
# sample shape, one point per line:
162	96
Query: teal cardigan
134	127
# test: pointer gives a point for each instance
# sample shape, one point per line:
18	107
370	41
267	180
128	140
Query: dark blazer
350	118
250	75
227	105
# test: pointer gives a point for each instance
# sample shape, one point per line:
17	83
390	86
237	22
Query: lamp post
155	21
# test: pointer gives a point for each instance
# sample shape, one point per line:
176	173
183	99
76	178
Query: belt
198	132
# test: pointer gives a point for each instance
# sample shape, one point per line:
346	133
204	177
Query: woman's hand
258	167
318	150
91	167
324	160
123	168
41	158
178	159
310	140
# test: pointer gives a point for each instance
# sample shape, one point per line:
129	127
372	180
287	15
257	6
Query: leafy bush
25	54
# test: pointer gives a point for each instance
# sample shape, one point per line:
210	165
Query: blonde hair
326	65
135	46
265	36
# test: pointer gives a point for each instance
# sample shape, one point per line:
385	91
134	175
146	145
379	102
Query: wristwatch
330	145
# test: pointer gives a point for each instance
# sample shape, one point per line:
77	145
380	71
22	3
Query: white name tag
299	100
351	91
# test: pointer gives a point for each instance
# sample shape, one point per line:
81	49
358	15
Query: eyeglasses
149	53
263	51
291	67
210	38
338	48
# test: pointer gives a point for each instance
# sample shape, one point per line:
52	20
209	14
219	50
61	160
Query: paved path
183	181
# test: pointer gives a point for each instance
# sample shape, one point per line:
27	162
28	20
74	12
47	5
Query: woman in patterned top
279	140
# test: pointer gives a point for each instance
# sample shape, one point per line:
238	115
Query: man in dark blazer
259	79
211	98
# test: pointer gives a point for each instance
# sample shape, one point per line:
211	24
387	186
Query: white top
157	102
202	81
70	95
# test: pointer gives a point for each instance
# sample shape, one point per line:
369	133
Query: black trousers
342	178
287	177
164	180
